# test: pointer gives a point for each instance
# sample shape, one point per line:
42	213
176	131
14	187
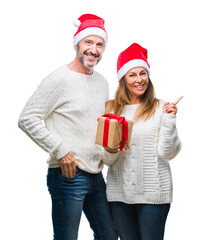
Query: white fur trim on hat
132	64
87	32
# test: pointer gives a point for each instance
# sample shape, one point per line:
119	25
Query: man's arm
47	97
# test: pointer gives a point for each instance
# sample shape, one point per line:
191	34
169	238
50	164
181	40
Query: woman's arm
109	156
169	143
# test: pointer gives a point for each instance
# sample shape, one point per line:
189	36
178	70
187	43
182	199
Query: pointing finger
175	102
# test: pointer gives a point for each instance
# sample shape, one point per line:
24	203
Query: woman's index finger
176	101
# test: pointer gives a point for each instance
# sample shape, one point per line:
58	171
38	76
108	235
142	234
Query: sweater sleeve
169	143
47	97
109	158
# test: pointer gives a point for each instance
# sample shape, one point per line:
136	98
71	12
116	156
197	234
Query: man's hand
68	165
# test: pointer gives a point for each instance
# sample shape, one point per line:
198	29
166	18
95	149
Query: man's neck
76	66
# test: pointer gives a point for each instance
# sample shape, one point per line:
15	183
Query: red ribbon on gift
121	120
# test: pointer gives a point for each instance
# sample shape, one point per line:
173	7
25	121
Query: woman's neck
135	99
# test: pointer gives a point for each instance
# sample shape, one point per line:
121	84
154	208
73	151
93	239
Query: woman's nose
138	78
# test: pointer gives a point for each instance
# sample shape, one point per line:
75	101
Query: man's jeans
140	221
70	196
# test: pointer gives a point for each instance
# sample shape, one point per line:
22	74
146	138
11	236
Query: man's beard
84	62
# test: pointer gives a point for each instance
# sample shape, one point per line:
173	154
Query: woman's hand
114	150
170	107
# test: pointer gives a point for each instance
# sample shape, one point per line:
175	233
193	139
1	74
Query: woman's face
137	82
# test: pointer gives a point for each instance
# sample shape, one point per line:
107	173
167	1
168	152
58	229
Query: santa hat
133	56
89	24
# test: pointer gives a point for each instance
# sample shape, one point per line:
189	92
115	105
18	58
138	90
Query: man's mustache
92	54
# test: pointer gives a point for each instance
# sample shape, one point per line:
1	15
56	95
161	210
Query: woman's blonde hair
145	110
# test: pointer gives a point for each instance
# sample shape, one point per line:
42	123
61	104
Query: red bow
121	120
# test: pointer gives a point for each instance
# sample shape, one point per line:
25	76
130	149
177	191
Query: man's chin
90	66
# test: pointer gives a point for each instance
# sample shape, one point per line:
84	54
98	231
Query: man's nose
93	49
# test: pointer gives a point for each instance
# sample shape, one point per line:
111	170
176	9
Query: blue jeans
140	221
70	196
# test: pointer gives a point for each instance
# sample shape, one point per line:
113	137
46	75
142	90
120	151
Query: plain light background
36	38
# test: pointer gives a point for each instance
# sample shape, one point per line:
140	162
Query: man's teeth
90	55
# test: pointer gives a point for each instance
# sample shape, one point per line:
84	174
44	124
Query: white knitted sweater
142	173
61	116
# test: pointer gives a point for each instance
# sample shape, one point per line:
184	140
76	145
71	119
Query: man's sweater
61	116
142	173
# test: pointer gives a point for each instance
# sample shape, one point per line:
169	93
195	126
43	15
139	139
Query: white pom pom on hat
76	22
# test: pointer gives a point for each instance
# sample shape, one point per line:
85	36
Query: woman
139	183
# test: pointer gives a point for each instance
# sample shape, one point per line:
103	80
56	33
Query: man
61	117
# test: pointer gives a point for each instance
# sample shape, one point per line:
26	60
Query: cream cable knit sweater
142	173
61	116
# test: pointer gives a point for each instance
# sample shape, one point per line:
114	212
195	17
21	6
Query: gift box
114	131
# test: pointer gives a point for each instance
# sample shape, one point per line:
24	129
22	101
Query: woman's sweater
61	116
142	173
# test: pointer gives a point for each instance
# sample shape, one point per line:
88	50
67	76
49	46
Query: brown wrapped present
113	131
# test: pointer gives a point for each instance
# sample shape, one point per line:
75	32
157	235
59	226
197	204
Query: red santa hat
133	56
89	24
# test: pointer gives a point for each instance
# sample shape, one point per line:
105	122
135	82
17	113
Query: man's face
89	51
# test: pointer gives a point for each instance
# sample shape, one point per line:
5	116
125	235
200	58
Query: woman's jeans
140	221
70	196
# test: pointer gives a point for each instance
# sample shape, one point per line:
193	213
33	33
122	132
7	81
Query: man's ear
77	47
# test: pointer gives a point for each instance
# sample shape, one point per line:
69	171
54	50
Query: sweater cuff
61	151
169	116
169	119
110	158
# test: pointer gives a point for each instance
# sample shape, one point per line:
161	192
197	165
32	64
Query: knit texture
142	173
61	116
